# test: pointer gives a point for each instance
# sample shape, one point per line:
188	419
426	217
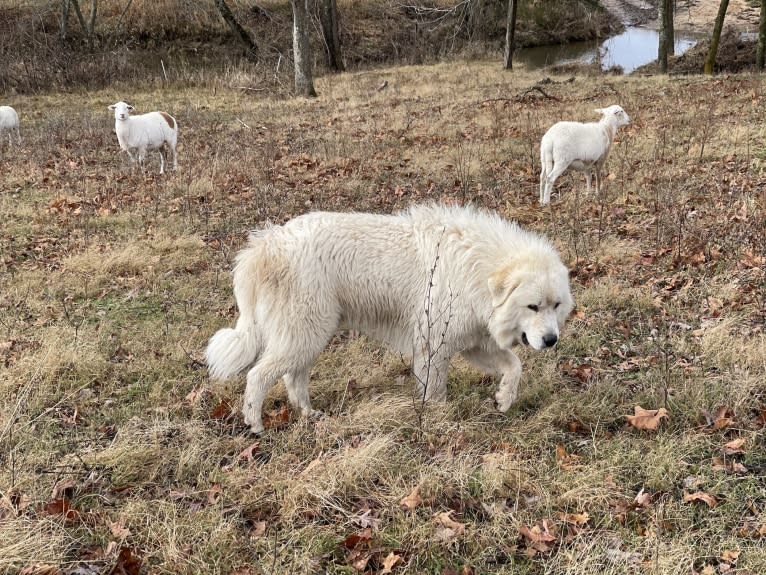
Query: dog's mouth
524	339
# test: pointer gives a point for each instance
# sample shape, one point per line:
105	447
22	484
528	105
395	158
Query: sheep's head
614	115
121	110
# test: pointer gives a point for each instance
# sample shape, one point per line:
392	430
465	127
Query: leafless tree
87	27
666	36
710	60
510	33
760	54
304	81
241	34
329	18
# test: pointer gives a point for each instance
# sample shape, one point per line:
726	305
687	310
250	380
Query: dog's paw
504	400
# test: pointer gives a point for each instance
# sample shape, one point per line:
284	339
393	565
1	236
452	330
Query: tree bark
304	82
251	48
760	53
666	23
710	60
65	8
330	32
510	34
671	27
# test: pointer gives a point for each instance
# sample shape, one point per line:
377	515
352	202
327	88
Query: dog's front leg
503	362
509	384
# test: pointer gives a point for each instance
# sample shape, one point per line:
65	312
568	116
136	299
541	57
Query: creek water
632	48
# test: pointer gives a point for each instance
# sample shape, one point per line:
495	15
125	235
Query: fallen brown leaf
118	529
447	528
539	536
64	508
647	419
277	417
412	500
578	519
389	562
355	539
63	489
128	563
701	496
734	446
214	493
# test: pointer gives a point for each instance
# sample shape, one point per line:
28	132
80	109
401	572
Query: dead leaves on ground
647	419
365	556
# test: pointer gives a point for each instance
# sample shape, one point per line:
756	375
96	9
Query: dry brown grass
111	282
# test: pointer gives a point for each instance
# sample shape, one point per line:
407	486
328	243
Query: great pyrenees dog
432	281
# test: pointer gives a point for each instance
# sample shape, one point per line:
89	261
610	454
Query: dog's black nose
550	339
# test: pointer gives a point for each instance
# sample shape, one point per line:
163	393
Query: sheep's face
615	115
121	110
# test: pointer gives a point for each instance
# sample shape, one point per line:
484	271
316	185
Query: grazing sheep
583	147
146	132
9	120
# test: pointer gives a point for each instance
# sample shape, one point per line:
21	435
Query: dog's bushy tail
231	351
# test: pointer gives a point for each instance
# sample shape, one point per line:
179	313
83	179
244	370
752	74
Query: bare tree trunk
666	23
671	27
89	27
510	34
251	48
710	60
304	82
760	53
92	19
330	33
65	8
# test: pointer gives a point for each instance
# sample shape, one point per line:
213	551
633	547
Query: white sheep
9	120
146	132
583	147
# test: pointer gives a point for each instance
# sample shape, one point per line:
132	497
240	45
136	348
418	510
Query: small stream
632	48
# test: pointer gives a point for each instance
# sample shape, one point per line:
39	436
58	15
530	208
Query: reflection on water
631	49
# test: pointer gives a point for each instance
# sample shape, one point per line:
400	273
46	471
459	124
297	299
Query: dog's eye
558	303
533	307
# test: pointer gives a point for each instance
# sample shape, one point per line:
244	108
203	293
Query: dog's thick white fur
432	281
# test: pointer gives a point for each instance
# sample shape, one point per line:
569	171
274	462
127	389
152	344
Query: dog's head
531	301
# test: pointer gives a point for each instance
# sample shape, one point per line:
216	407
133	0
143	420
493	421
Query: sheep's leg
175	156
588	178
543	181
550	179
18	135
163	153
598	182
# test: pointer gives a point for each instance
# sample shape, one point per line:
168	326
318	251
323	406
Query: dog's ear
501	285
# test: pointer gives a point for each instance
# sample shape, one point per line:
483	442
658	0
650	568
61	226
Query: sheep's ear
112	107
599	110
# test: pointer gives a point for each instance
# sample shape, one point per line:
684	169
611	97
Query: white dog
432	281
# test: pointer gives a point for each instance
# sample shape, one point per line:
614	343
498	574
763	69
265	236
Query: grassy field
118	455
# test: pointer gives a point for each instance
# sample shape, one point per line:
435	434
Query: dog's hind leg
501	361
260	378
297	384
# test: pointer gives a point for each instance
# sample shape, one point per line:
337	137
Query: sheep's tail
231	351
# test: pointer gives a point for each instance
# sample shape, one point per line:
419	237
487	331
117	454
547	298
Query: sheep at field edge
9	120
145	132
583	147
